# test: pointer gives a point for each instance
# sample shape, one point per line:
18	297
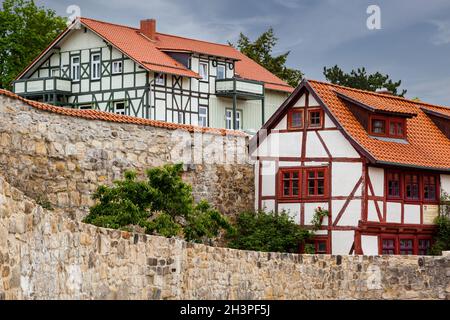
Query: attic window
295	119
387	127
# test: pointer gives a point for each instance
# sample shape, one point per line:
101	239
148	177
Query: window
159	79
429	187
85	107
95	66
406	246
393	181
378	126
229	119
221	72
412	186
387	127
396	128
315	182
424	246
75	68
290	183
116	67
295	119
180	117
388	246
203	116
55	72
203	70
119	108
315	118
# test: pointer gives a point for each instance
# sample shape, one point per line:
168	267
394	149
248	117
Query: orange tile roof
138	47
246	68
112	117
151	53
427	145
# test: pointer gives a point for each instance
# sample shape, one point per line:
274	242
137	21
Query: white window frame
221	66
117	67
120	111
229	119
75	68
160	79
203	118
96	66
203	70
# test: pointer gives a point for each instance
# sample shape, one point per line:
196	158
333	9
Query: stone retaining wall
44	255
62	159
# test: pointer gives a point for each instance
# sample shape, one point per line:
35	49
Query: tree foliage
442	236
270	232
261	51
163	204
359	79
25	30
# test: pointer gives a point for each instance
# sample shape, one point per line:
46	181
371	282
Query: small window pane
297	119
220	71
378	126
314	119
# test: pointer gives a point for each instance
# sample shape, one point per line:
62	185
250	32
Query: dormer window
387	127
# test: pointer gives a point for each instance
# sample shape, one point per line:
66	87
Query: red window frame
315	126
413	249
407	244
425	182
320	240
400	184
411	183
303	192
316	180
281	176
290	117
397	122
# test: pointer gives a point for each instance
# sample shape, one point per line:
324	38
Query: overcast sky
413	43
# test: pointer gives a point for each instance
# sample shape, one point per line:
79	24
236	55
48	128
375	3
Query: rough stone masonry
44	255
62	159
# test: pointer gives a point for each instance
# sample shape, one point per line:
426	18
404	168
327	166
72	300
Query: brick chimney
148	28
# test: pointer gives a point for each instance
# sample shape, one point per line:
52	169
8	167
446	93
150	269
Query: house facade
378	164
143	73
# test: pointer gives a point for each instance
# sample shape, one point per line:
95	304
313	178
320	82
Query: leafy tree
442	237
261	51
269	232
359	79
25	30
163	204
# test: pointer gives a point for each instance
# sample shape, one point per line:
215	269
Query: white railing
228	86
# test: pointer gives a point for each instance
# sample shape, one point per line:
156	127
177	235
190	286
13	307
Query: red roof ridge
110	23
192	39
377	94
112	117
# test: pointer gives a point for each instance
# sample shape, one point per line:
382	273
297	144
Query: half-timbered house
144	73
376	162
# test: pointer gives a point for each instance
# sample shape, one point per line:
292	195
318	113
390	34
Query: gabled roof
151	54
112	117
427	147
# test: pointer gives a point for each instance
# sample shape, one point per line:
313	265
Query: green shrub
271	232
442	236
163	204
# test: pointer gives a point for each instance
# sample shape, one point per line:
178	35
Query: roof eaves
435	113
397	164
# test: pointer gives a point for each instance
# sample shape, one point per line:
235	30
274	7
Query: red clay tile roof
246	68
112	117
427	146
150	53
138	47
